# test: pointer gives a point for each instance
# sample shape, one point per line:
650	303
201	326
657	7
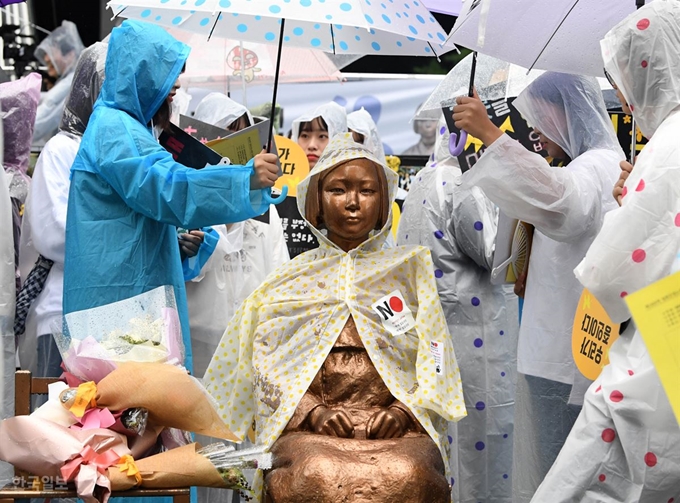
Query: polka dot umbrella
367	27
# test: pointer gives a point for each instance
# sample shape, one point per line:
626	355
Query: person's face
51	69
553	149
174	90
239	124
313	143
428	130
350	203
624	104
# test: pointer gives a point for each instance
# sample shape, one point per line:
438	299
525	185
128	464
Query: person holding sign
624	446
341	361
566	206
127	194
458	224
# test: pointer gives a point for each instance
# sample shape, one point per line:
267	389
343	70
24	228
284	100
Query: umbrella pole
276	85
473	70
633	142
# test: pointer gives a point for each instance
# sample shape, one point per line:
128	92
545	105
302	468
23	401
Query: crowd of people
294	351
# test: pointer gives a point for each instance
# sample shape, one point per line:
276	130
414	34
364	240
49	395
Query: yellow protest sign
294	164
656	311
593	334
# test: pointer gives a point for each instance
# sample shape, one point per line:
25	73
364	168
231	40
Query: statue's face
350	203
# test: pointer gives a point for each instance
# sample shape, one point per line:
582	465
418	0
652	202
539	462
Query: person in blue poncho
128	195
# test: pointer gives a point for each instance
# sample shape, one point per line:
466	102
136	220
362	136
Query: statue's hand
331	422
387	423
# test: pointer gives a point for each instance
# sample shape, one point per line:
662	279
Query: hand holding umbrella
470	115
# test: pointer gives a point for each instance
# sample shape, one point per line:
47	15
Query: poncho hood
568	109
642	55
63	46
220	111
18	105
340	149
87	82
362	122
142	64
332	113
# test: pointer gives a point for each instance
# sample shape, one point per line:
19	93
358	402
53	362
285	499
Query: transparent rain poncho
63	47
282	334
18	104
220	111
569	110
458	224
87	82
44	224
332	113
362	122
625	450
566	206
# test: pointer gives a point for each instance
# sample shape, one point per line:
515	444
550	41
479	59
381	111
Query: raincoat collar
340	149
642	54
142	64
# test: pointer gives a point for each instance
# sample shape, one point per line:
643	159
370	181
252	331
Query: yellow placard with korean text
294	164
656	311
593	333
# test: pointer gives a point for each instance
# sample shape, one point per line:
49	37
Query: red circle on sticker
396	304
602	477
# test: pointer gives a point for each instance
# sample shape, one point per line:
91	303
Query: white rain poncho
220	111
280	337
362	122
623	448
566	206
332	113
245	254
458	224
63	46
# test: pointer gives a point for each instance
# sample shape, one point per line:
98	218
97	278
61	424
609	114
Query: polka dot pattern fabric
344	27
282	334
458	224
623	446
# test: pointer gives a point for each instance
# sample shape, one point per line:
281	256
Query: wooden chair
25	386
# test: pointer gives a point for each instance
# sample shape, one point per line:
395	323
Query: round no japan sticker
394	314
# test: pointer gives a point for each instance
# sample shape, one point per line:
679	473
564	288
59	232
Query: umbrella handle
457	143
267	195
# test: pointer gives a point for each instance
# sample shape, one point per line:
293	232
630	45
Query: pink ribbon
88	456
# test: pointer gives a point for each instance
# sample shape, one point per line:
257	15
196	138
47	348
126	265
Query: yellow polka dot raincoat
282	334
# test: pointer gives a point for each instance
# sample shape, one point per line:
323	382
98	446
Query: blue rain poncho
128	195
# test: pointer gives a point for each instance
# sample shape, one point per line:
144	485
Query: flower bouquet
143	328
98	461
